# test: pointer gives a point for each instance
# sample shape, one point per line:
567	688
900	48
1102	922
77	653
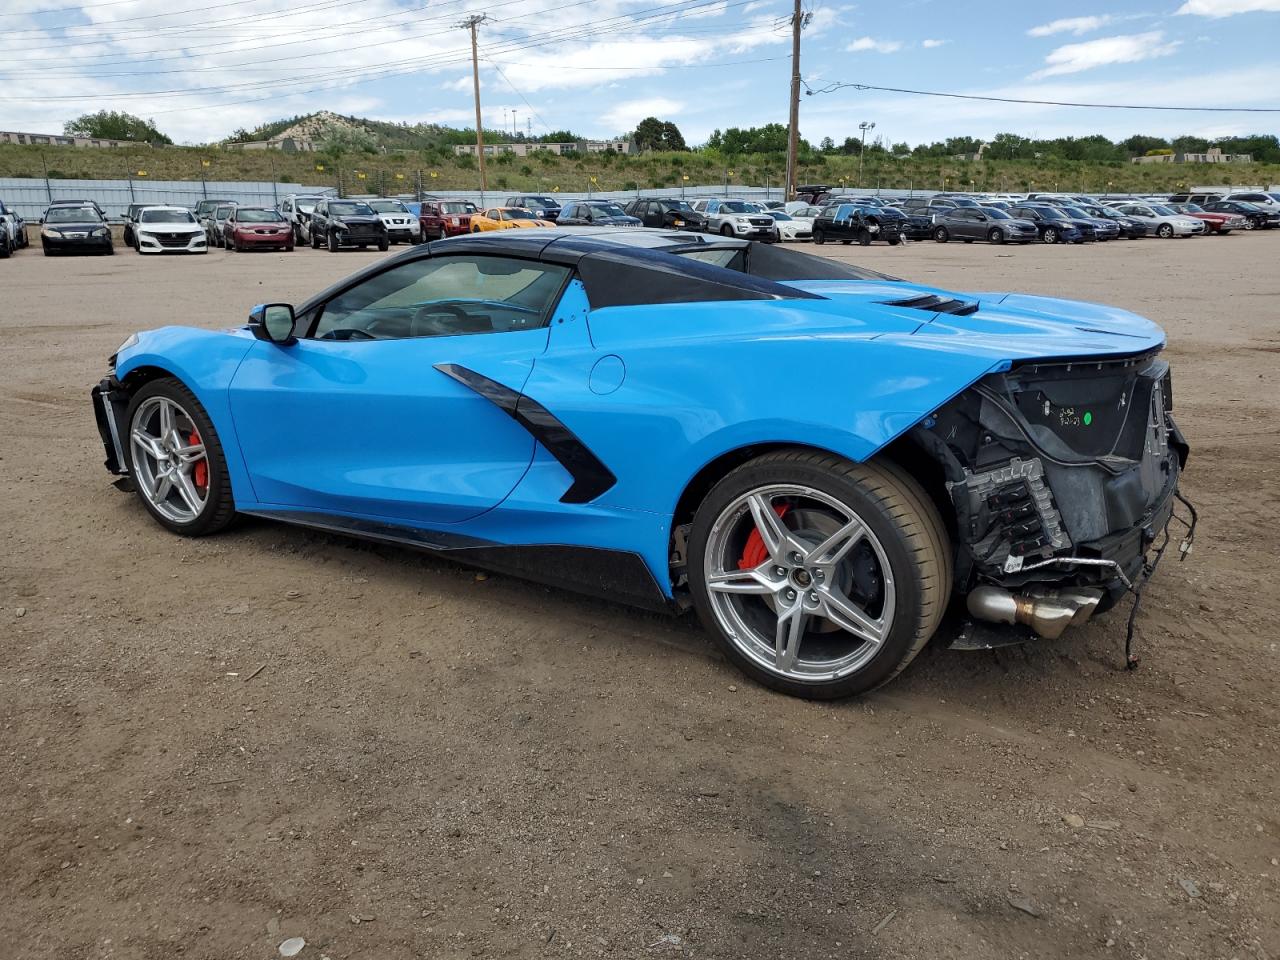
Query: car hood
172	227
77	225
1009	326
357	220
616	221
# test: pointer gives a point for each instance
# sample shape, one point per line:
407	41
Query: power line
832	87
492	63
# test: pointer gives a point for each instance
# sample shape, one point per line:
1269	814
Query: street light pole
864	126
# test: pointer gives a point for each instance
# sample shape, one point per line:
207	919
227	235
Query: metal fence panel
31	196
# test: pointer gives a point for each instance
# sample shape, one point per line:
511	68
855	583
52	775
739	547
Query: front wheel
1051	235
176	460
333	242
864	237
995	235
384	244
941	235
817	576
1165	231
819	237
1250	225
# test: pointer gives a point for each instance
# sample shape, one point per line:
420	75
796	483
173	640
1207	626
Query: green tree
654	134
1140	146
113	125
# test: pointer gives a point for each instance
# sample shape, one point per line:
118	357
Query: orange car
506	218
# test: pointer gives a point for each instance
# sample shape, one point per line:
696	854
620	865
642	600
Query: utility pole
471	23
798	22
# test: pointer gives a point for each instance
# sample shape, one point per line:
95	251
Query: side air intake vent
936	304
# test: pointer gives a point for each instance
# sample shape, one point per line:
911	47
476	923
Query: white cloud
1076	25
871	43
1228	8
1077	57
624	116
931	44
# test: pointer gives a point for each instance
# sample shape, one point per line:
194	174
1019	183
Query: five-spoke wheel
176	461
819	577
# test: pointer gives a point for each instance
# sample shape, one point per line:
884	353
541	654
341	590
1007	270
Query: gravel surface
214	746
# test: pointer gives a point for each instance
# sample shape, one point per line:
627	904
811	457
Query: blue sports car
823	461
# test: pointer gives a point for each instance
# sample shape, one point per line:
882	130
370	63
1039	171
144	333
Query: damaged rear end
1063	477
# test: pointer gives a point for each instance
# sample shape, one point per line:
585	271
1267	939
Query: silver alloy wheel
793	613
168	459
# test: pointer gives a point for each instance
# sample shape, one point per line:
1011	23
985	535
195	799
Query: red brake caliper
200	472
754	552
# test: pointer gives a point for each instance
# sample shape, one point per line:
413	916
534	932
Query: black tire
819	237
1250	225
315	240
1223	233
475	229
383	245
968	240
995	235
893	241
1051	235
903	518
5	248
1164	231
297	234
219	509
864	237
941	235
726	230
111	250
332	241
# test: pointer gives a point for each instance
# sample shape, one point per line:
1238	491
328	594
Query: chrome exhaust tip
1048	612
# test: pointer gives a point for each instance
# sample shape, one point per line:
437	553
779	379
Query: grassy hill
367	156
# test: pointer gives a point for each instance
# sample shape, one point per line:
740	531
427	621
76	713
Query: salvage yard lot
213	745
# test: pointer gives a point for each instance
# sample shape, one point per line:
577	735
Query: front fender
205	361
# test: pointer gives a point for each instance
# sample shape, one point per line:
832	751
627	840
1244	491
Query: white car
297	209
1162	221
400	223
168	230
792	228
801	221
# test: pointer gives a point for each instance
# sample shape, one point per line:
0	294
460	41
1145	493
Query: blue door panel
371	428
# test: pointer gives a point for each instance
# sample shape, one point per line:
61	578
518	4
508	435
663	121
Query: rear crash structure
1063	479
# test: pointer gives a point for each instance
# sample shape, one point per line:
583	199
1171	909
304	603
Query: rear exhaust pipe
1047	612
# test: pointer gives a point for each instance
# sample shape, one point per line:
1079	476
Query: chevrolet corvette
829	465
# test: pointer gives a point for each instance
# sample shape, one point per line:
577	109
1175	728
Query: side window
444	297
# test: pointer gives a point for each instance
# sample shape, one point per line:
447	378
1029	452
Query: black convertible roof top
626	266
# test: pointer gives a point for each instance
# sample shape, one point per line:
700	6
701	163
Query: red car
1222	223
445	218
256	228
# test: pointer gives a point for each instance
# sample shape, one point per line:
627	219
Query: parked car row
820	214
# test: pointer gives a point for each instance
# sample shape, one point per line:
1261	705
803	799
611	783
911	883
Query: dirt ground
212	745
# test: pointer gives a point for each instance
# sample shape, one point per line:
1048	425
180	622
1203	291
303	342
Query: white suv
737	218
297	209
400	223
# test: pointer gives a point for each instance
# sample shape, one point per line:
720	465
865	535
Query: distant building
1213	155
525	149
63	140
283	144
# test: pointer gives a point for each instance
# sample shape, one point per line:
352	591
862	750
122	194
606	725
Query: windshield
734	206
259	216
807	212
350	209
1052	213
166	216
1191	208
779	215
544	201
608	209
677	205
1075	212
71	215
456	207
516	214
388	206
222	213
995	213
1163	211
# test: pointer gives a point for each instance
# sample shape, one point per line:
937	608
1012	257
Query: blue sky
598	66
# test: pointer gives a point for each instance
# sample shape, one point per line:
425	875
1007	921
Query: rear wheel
176	460
819	577
941	235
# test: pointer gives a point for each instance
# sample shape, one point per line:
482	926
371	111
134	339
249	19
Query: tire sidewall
907	616
211	516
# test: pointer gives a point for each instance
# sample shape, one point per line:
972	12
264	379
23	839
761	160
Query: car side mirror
273	322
